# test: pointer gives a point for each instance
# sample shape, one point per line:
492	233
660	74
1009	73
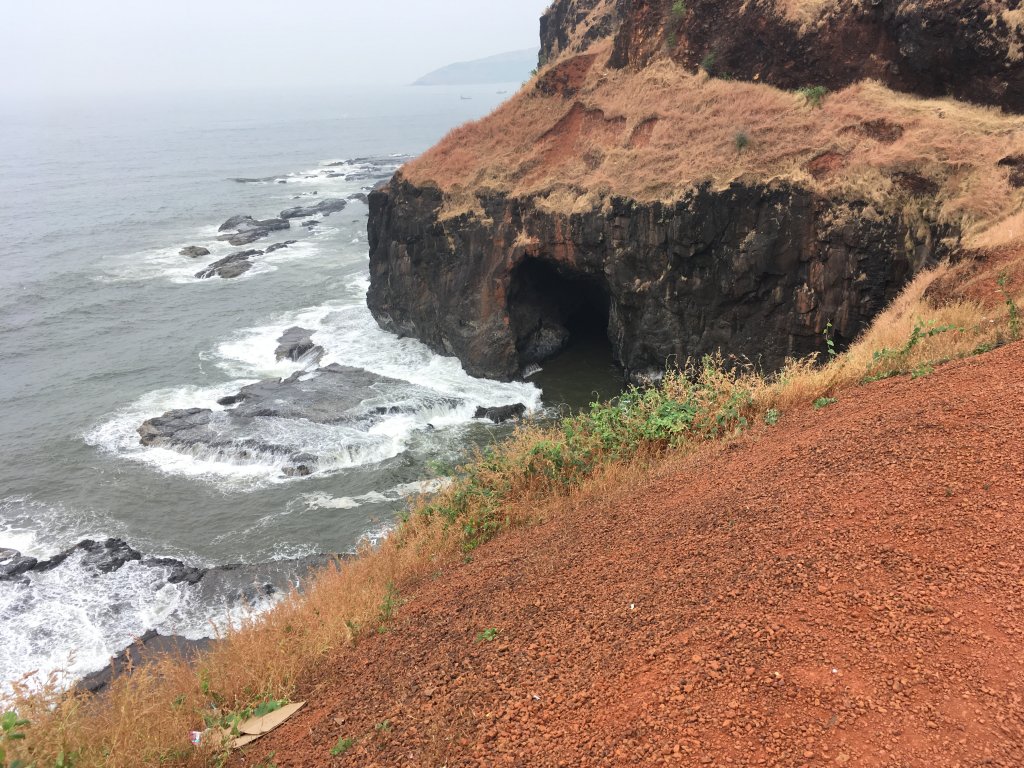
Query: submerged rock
249	230
230	266
501	414
194	251
279	246
104	556
14	564
324	207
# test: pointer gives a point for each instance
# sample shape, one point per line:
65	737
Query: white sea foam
23	519
444	396
325	501
70	620
73	619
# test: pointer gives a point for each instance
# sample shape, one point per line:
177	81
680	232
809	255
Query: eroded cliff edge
679	212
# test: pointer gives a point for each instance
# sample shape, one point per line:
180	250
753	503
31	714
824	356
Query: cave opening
561	320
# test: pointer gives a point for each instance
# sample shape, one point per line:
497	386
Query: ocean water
103	325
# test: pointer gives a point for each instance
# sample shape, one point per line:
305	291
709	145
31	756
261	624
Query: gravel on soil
844	588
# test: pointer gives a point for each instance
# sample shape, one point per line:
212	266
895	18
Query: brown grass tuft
534	144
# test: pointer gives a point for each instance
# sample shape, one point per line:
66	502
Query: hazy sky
62	46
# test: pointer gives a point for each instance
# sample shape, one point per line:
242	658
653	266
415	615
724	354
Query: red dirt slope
842	589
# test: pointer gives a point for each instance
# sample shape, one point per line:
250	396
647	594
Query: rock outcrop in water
249	230
297	343
627	190
334	394
233	265
324	207
194	251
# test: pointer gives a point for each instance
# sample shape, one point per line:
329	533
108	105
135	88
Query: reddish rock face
962	48
757	270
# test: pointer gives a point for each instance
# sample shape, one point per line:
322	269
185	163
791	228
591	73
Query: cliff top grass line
581	133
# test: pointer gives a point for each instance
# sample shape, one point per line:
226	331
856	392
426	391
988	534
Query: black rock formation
297	343
233	265
501	414
325	207
754	269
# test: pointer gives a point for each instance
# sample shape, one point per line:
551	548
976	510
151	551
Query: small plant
383	728
887	362
708	63
354	628
924	369
814	96
678	9
741	140
1011	306
771	417
487	636
830	341
344	745
12	728
824	402
388	605
268	761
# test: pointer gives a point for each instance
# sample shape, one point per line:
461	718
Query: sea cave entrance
560	316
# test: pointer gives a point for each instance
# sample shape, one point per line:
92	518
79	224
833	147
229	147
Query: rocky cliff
758	270
681	213
968	49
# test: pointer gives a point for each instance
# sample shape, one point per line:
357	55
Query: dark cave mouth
554	309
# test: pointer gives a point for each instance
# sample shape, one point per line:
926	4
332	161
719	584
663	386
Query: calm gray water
102	325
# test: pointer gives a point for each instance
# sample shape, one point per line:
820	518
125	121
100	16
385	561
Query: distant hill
511	67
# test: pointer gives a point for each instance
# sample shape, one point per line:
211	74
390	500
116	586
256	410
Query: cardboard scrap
254	727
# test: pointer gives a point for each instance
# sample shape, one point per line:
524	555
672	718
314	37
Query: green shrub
814	95
708	63
701	403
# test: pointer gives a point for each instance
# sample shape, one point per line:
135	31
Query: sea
104	324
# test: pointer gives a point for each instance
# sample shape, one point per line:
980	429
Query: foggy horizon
65	49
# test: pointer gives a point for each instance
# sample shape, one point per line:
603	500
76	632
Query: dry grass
145	718
536	145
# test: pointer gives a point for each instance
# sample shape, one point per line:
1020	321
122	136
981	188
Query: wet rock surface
334	394
233	265
756	269
194	251
324	207
249	230
297	343
502	413
278	246
150	647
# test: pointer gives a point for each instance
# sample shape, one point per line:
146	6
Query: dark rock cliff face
754	270
968	49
